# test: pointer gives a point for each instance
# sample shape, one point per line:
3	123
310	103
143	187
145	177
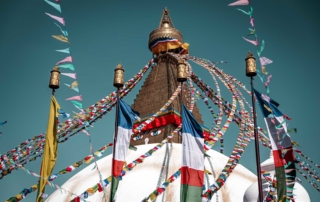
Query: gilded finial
54	82
166	29
181	70
119	66
251	69
118	80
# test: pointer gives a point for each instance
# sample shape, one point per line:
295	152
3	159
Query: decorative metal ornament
182	71
166	29
118	76
55	78
251	69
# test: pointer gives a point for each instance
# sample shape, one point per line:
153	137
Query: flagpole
251	71
118	82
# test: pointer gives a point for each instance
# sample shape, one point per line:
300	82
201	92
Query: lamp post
118	82
251	71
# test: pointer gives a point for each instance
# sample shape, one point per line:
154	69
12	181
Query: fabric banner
50	149
165	44
192	170
281	146
126	118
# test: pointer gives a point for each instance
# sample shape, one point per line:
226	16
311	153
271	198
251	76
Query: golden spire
165	30
165	19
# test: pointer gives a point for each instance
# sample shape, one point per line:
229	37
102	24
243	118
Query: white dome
252	193
144	178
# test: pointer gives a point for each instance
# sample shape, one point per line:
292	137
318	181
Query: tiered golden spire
165	30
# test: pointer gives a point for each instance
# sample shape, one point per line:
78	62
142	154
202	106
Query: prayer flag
281	146
68	66
126	119
78	97
61	38
240	3
56	6
61	20
71	75
50	152
67	59
251	41
192	170
67	50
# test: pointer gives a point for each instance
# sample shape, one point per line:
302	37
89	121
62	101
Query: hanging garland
159	190
94	112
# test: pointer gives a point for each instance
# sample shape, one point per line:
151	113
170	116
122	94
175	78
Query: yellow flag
61	38
263	69
74	84
50	152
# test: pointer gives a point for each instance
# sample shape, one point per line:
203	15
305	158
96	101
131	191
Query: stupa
251	194
145	178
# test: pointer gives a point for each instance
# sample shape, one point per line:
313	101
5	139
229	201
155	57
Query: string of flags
139	160
98	187
67	62
243	139
66	170
32	148
264	61
159	190
163	108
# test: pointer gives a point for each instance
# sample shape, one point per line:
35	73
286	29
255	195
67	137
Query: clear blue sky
104	33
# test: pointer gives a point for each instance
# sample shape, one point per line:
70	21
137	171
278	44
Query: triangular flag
61	20
261	48
240	3
67	50
3	122
71	75
252	22
74	84
74	88
68	66
251	41
78	97
56	6
76	103
292	130
82	116
64	32
245	12
263	69
64	114
67	59
265	61
61	38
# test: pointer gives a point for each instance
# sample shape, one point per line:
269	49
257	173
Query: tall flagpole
251	71
118	82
